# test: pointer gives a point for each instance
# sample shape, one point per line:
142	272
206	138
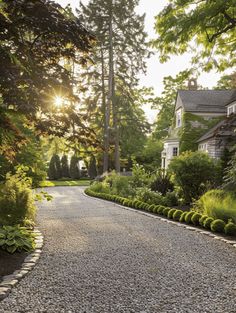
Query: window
179	118
175	151
231	110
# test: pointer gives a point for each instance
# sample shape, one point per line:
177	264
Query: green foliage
166	211
202	219
188	217
54	170
196	218
140	178
171	213
230	174
145	194
74	167
160	209
218	204
92	167
161	182
120	185
230	229
218	226
100	187
209	24
194	173
166	103
177	215
207	222
64	166
16	199
194	126
182	217
16	239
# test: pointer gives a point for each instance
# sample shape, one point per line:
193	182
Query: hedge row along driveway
100	258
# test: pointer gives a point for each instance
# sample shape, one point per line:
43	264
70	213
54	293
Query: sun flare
58	101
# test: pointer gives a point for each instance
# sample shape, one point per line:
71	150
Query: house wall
167	153
214	147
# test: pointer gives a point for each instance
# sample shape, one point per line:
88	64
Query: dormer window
179	118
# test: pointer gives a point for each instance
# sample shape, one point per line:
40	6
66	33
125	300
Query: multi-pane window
175	151
231	110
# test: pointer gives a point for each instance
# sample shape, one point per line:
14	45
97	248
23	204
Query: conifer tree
92	167
54	171
74	167
118	58
64	166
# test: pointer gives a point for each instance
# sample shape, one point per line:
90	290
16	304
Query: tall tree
119	57
206	28
64	166
74	167
36	37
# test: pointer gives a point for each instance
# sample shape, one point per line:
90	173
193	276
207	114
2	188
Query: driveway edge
9	281
178	224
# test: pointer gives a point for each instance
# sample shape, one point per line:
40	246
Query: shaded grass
54	183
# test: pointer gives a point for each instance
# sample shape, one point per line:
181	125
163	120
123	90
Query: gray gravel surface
99	257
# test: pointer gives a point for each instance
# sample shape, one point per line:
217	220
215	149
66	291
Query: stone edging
190	228
9	281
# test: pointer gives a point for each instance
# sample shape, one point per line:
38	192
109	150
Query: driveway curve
98	257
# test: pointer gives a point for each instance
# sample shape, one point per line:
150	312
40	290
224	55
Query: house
204	120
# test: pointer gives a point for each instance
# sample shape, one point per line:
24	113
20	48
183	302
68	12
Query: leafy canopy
206	28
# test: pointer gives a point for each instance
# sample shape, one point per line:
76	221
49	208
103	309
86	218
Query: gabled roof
206	101
225	127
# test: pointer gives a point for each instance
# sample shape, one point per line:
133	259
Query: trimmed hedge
175	214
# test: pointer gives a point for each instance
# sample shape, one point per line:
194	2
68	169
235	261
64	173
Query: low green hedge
215	225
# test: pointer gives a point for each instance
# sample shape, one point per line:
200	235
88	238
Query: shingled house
204	120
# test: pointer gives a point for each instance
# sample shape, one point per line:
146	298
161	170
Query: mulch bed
10	262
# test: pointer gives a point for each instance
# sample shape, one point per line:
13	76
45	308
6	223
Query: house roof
223	128
206	101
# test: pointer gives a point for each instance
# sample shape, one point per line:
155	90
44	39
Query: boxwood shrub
207	222
218	226
202	219
151	208
188	217
171	213
160	209
195	219
182	217
166	211
230	229
177	214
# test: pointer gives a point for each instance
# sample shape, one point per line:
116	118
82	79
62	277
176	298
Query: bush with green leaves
202	219
16	238
166	211
145	194
195	219
92	167
74	167
219	204
218	226
177	214
100	187
160	209
54	170
230	229
194	173
161	182
188	217
207	222
182	217
140	178
120	185
17	199
171	213
64	167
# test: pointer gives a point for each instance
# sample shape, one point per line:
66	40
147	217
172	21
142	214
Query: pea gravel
98	257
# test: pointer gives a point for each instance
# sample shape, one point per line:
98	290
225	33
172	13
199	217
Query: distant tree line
62	168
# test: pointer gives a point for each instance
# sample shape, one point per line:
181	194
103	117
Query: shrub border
213	235
9	281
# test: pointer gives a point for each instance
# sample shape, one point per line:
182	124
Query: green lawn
53	183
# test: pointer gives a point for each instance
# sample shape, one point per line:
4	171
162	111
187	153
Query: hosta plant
16	238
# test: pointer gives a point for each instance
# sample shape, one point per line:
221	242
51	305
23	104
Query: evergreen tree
58	166
92	167
52	173
64	166
118	58
74	167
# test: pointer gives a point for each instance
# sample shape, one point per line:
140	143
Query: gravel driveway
99	257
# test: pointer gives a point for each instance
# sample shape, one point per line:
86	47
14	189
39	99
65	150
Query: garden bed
10	262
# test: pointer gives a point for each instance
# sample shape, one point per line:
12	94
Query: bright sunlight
58	101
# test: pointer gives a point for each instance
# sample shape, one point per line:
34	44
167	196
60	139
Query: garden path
99	257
